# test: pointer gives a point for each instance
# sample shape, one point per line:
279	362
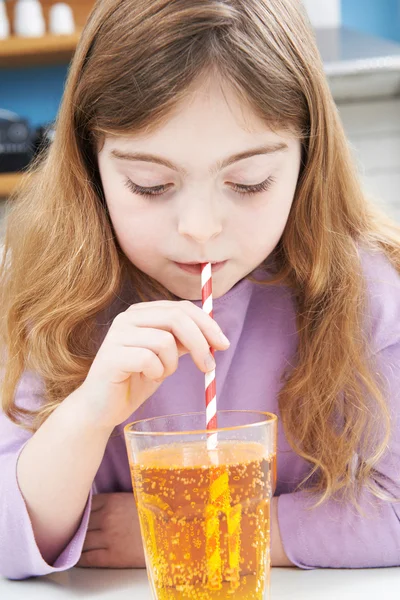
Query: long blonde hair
135	60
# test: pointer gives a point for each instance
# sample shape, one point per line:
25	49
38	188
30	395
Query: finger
94	558
209	327
129	360
183	327
95	540
160	342
207	324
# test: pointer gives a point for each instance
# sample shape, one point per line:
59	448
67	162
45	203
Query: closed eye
148	192
249	190
159	190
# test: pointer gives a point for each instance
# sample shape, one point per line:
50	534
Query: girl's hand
113	537
140	350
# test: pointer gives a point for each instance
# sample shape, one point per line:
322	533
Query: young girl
192	132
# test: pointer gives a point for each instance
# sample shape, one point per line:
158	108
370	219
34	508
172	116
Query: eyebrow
218	166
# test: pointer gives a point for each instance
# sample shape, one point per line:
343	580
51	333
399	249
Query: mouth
195	268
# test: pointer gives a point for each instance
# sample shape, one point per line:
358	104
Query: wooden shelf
48	49
9	182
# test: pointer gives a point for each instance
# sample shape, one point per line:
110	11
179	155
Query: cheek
138	243
138	229
261	226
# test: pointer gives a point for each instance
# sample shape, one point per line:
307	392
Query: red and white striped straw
211	396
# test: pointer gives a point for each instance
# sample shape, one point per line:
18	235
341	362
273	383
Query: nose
199	220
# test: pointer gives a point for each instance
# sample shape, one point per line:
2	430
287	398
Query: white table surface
286	584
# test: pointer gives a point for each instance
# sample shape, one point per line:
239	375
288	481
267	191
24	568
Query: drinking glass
205	513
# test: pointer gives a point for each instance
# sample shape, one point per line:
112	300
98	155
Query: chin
184	292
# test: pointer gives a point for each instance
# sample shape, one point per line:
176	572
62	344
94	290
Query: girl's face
214	184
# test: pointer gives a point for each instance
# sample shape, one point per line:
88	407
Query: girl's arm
55	472
48	480
19	553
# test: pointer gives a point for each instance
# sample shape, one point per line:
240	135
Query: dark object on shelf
15	142
20	143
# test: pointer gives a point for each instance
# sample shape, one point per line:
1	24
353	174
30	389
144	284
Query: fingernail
209	362
224	340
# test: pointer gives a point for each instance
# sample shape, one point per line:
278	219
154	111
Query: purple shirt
260	324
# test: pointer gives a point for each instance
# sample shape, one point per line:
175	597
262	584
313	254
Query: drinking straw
219	496
211	396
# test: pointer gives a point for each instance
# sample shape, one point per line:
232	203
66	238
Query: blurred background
359	41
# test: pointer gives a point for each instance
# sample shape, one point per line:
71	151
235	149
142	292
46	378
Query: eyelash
242	190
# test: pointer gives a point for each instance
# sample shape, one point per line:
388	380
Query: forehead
207	98
211	119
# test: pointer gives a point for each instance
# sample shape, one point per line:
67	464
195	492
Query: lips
195	268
